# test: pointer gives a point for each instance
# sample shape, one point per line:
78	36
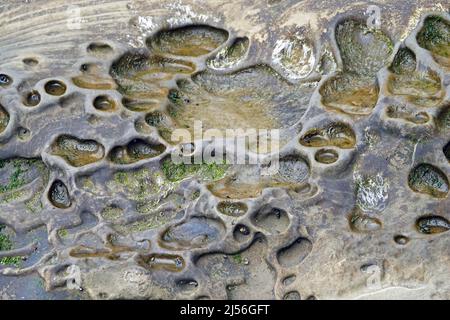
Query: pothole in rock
59	195
294	55
241	233
77	152
23	181
432	224
247	182
364	52
197	232
364	223
5	80
435	37
4	119
191	41
294	253
230	271
144	79
32	99
446	151
231	56
55	88
238	100
99	49
134	151
335	134
232	208
407	114
272	220
164	262
422	88
428	179
104	103
92	78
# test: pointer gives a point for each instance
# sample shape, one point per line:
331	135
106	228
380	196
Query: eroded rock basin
92	206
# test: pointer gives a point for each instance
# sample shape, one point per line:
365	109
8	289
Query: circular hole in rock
446	151
233	209
5	80
23	133
292	295
401	240
289	280
241	232
326	156
428	179
187	284
55	88
59	195
30	62
294	253
99	49
32	99
273	220
432	224
104	103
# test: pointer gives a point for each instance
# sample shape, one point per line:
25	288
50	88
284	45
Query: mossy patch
179	171
5	245
34	204
237	258
16	178
63	233
111	212
435	36
15	174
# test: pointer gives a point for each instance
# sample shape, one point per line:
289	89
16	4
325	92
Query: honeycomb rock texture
93	207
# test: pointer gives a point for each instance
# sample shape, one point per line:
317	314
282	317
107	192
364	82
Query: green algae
207	171
5	245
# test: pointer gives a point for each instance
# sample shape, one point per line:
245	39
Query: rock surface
92	206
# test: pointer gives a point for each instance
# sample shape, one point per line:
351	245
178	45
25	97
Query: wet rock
435	37
432	224
230	56
294	253
191	41
197	232
77	152
55	88
234	209
134	151
428	179
59	195
273	220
